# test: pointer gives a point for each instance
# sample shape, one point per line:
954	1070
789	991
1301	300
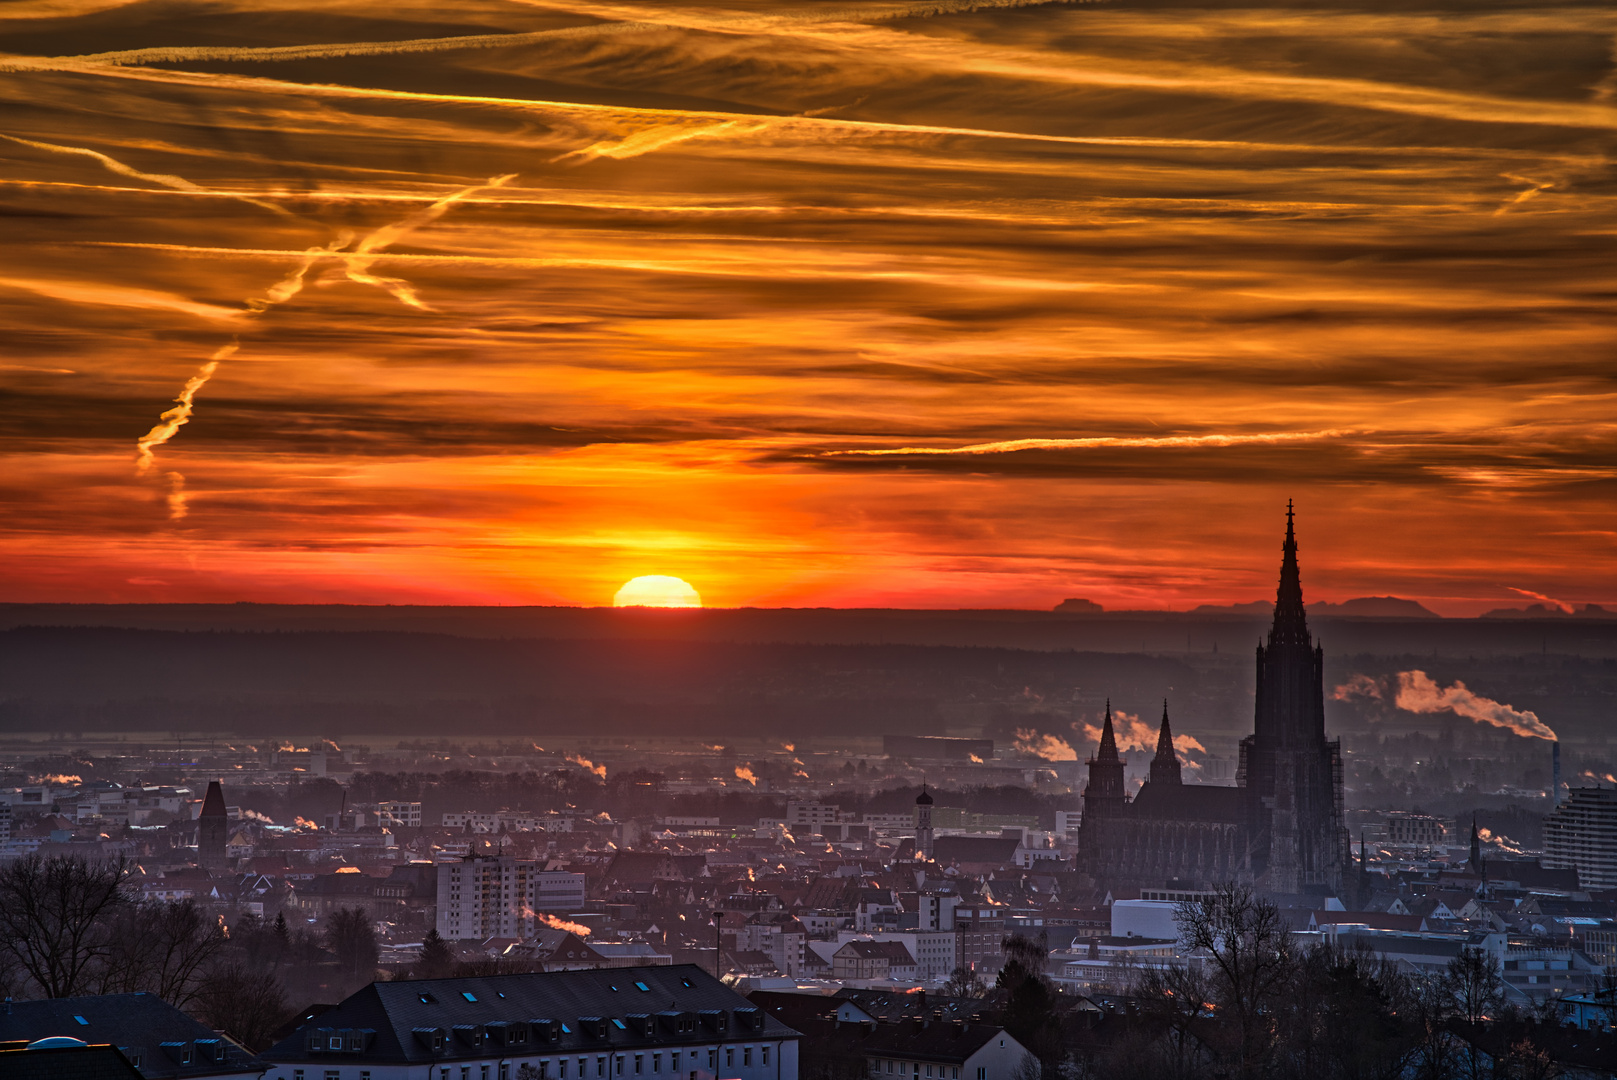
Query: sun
657	590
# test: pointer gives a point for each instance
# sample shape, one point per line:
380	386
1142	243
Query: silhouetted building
1281	829
1581	834
213	827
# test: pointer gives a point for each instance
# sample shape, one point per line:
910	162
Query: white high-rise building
484	896
1581	834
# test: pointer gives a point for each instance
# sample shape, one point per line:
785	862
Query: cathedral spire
1291	619
1165	766
1108	738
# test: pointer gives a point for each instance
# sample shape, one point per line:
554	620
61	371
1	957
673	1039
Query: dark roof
1189	802
394	1011
66	1063
976	849
893	1004
140	1023
894	951
930	1040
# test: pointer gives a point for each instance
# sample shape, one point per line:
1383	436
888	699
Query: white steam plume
1417	693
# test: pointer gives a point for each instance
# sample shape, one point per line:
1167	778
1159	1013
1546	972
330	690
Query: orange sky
808	304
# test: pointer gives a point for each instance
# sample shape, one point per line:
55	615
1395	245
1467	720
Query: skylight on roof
642	987
468	995
428	999
612	988
81	1019
684	982
619	1024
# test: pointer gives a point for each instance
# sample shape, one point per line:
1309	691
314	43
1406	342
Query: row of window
913	1068
604	1066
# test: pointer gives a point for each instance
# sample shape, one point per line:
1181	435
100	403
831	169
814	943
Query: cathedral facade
1281	829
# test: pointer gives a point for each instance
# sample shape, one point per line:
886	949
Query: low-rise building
654	1023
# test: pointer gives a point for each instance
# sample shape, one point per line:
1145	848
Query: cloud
98	293
1012	446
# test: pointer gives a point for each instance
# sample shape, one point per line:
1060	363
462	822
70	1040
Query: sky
807	303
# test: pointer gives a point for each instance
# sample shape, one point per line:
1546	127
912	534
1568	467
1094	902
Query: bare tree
964	982
245	1004
1476	992
53	914
1180	998
352	939
1250	963
161	948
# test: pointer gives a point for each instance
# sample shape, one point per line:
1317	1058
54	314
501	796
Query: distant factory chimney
1555	773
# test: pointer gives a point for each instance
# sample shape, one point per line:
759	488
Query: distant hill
1376	607
1544	611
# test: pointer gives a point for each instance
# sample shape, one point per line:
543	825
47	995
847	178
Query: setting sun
657	590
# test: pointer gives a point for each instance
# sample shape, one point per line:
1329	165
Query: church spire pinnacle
1165	766
1108	737
1291	618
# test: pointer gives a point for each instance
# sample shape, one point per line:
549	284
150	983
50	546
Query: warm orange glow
656	590
882	302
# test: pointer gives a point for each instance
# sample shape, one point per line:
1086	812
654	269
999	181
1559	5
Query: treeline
1256	1006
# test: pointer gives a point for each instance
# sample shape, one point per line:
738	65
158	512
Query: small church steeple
1165	767
1476	847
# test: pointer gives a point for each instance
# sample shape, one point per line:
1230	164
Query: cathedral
1280	830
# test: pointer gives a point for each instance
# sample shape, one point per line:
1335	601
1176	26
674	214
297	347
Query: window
637	1060
729	1057
483	1072
544	1069
642	987
766	1056
465	1072
982	1072
600	1066
746	1057
468	995
297	1074
81	1019
619	1024
364	1074
656	1063
712	1057
333	1074
333	1043
620	1064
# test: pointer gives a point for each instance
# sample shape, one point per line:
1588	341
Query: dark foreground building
652	1023
1280	830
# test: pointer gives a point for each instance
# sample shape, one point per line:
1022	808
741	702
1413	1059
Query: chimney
1555	774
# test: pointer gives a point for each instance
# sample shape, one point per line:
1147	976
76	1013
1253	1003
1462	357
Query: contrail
180	415
186	53
1013	445
178	183
357	266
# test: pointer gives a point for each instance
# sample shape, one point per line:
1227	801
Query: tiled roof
618	1005
66	1063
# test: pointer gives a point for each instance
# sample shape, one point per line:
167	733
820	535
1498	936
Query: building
484	896
160	1041
924	840
1581	835
1280	829
1415	830
649	1022
400	813
809	817
944	1039
213	828
61	1058
873	960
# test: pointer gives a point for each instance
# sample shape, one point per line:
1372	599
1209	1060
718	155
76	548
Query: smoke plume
580	759
1048	747
562	924
1417	693
745	773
